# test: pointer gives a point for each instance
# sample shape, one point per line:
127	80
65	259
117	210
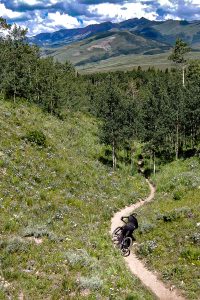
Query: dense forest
158	109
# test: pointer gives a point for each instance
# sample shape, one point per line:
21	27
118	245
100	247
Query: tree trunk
14	95
177	136
183	71
132	162
114	160
154	163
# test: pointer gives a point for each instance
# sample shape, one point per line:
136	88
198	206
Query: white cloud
119	13
58	19
8	13
194	2
51	23
167	3
89	22
45	18
171	17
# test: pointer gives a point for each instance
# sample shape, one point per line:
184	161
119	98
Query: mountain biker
131	224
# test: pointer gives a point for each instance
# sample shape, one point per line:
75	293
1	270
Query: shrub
36	231
171	272
16	244
78	257
146	227
196	238
174	214
132	297
177	195
191	254
92	283
37	137
147	247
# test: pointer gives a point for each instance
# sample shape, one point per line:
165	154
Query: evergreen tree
115	112
192	112
178	55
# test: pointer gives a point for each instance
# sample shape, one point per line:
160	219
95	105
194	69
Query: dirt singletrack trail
136	266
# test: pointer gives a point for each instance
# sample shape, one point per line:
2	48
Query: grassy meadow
169	235
128	62
77	53
56	202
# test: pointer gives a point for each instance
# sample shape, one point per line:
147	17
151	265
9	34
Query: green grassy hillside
172	28
170	231
124	50
56	202
128	62
120	62
104	46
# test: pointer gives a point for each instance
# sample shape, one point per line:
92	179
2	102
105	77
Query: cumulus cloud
94	2
117	13
64	20
51	15
181	9
8	13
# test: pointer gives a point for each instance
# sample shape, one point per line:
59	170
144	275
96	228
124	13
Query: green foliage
195	237
78	257
191	254
147	247
54	192
3	24
16	244
180	49
148	106
92	283
37	137
174	237
178	194
175	214
145	227
57	200
36	231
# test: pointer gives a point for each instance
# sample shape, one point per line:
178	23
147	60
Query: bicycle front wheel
117	232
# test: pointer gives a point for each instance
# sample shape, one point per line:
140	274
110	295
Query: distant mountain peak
160	31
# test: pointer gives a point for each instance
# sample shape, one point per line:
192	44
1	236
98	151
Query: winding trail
136	266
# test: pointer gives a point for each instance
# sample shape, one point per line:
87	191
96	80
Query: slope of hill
106	45
97	44
170	232
162	31
130	61
56	203
68	36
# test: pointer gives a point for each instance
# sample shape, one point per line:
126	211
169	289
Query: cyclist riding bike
131	224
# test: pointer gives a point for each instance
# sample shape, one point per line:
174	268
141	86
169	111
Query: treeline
24	74
151	107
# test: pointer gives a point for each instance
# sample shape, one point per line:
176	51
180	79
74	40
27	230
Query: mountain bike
123	244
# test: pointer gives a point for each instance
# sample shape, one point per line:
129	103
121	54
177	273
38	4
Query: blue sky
51	15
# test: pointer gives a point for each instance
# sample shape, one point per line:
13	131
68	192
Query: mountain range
101	42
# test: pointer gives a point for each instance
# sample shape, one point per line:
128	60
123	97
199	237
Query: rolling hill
56	203
105	46
94	44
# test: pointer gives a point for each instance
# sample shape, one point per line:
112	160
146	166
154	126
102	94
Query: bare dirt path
136	266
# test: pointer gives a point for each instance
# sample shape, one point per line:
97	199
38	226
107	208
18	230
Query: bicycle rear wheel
125	252
125	246
127	242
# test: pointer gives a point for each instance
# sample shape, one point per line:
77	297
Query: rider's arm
123	218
